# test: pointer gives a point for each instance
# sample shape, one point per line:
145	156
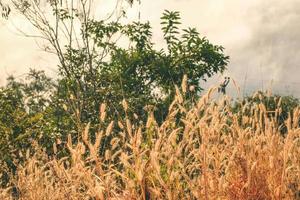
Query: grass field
204	151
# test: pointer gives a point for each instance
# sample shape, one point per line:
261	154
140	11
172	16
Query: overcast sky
261	37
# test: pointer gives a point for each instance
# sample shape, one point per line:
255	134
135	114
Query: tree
24	109
64	26
187	54
94	68
277	107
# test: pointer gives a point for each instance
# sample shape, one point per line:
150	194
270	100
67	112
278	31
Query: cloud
261	37
271	54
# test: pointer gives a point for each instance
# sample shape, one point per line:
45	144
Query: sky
261	37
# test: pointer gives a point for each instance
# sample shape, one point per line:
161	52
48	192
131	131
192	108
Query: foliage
95	68
140	73
277	106
24	107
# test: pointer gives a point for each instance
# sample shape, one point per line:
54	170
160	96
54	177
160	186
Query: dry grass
210	153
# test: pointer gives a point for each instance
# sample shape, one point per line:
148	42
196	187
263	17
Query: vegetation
115	125
94	68
209	155
279	107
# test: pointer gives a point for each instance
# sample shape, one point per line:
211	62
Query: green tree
143	69
94	68
282	105
23	116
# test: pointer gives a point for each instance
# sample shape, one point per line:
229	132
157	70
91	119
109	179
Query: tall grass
204	151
